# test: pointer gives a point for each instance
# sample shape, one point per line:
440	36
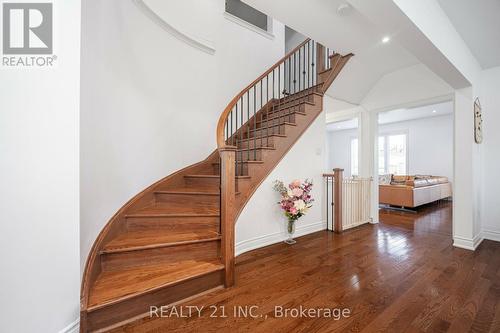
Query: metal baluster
273	114
294	76
241	133
289	76
326	58
231	132
248	125
308	59
327	210
304	66
236	159
279	95
267	110
299	70
261	112
254	126
314	79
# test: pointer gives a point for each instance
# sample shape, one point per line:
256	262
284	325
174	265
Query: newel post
228	193
337	199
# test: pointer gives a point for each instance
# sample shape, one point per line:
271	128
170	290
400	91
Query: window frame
269	33
351	156
386	136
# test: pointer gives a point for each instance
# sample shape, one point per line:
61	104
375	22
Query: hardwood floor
402	275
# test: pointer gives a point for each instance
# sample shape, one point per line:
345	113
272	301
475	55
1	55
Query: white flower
299	204
289	193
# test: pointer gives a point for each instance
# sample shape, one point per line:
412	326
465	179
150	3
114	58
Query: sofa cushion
385	179
399	180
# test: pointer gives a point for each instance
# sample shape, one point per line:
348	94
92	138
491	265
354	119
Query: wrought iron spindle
267	110
236	159
313	59
261	111
327	63
308	59
248	125
241	133
304	66
255	127
279	95
289	77
273	113
294	72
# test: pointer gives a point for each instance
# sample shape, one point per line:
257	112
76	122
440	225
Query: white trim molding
265	240
74	327
493	235
468	243
249	26
202	45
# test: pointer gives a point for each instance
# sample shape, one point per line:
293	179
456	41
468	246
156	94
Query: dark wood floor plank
402	275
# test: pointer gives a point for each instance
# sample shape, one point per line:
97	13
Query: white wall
39	196
413	84
261	221
339	149
490	102
430	145
151	102
292	39
433	22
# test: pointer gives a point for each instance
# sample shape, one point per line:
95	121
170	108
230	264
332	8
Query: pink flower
297	192
293	210
295	183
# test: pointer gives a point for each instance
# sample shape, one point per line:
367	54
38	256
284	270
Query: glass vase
290	230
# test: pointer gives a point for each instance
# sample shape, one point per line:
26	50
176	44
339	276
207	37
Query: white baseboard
491	235
265	240
468	243
74	327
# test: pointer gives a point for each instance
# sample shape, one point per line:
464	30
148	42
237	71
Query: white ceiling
478	22
352	33
394	116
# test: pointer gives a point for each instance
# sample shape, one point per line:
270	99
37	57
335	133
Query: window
247	14
354	157
393	154
381	155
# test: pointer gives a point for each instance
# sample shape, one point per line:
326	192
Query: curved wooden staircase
175	239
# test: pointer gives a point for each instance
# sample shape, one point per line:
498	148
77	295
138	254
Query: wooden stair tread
293	104
115	286
269	120
146	239
167	209
324	71
263	136
292	112
256	148
299	95
215	176
189	191
239	161
275	125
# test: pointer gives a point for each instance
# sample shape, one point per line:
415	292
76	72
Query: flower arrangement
295	201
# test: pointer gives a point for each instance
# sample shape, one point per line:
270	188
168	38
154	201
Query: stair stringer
116	225
283	145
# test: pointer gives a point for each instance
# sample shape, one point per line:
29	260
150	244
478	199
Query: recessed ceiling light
434	111
386	39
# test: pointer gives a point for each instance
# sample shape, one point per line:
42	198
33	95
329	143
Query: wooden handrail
221	142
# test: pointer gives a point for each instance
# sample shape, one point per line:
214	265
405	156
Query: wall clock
478	122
